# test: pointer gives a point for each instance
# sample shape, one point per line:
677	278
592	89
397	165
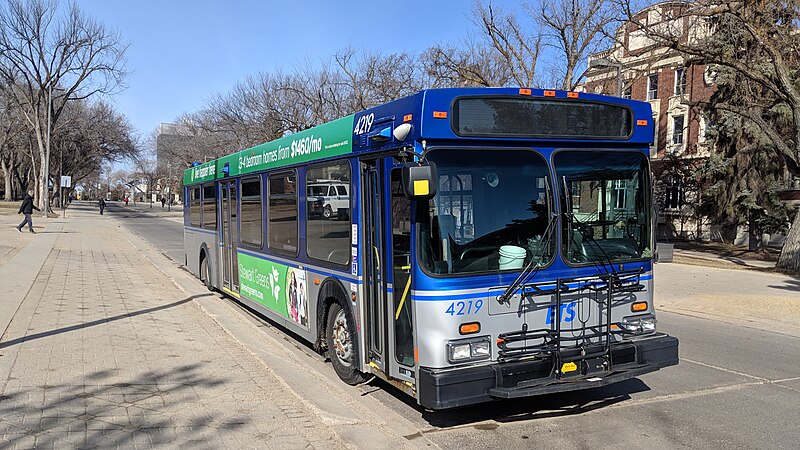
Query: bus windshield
604	198
485	200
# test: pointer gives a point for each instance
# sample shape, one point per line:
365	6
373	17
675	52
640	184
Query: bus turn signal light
407	118
639	307
470	328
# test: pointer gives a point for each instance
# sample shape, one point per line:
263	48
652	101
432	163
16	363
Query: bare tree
576	28
517	49
47	59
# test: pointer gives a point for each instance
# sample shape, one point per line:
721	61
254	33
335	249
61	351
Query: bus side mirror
420	180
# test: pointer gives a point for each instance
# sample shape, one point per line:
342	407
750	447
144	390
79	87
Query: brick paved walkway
105	351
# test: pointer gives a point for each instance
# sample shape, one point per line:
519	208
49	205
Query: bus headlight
472	349
639	324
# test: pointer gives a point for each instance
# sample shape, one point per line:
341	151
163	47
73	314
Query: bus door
372	262
386	267
230	236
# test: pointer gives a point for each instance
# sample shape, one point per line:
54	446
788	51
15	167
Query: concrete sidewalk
103	349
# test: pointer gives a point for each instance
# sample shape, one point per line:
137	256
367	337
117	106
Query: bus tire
342	347
204	274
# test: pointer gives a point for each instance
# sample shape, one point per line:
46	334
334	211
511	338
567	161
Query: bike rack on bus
552	342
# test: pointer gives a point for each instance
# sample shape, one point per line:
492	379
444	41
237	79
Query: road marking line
741	374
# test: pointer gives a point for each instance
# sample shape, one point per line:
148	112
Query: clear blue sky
181	51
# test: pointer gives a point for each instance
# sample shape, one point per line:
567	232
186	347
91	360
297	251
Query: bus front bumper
450	388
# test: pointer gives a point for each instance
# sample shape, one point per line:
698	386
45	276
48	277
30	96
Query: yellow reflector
569	367
614	326
524	91
501	342
407	118
469	328
416	355
572	95
641	122
440	114
421	187
639	306
549	93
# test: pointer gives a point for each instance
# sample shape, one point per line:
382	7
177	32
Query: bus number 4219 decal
462	308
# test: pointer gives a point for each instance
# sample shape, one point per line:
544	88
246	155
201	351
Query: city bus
463	244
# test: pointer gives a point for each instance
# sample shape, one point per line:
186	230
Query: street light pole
605	63
169	187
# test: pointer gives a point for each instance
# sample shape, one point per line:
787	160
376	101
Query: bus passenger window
209	207
250	215
194	207
328	212
282	212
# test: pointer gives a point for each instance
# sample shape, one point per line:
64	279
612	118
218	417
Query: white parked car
328	199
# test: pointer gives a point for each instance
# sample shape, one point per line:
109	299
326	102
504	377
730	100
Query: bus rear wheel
342	347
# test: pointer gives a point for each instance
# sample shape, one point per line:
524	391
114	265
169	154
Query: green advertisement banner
280	288
324	141
198	174
331	139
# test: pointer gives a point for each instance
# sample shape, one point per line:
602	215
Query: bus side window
328	214
194	207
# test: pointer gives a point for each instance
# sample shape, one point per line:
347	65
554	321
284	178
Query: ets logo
567	313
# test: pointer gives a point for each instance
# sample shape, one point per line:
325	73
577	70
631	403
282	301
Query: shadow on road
532	408
44	334
790	285
99	410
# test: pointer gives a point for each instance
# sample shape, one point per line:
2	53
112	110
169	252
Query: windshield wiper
606	260
536	259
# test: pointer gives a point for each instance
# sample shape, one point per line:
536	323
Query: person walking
163	202
102	204
27	208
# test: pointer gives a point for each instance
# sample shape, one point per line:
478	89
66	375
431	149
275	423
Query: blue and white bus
463	244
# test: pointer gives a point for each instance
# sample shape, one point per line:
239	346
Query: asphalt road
736	387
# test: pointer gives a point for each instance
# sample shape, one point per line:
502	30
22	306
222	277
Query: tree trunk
7	178
789	261
753	236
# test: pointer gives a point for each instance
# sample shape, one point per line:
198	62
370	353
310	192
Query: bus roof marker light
572	94
401	132
524	91
195	164
549	93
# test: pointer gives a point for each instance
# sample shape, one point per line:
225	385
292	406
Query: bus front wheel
204	273
342	345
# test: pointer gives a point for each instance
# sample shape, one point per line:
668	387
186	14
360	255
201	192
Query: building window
250	212
194	207
282	212
210	207
680	81
677	130
618	191
328	212
652	87
626	93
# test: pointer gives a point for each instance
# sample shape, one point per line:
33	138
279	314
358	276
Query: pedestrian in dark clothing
27	208
102	204
163	202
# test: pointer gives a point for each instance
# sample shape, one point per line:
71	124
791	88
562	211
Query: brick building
639	69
